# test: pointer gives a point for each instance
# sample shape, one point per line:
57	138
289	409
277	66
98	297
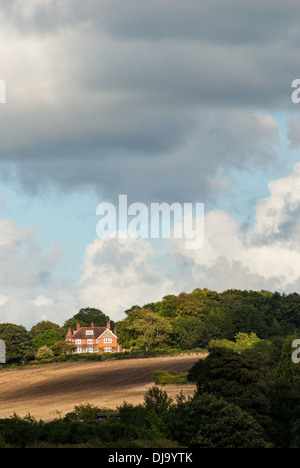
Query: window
89	332
107	350
107	340
90	341
90	350
78	341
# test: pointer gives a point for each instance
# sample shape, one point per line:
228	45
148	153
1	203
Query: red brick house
94	339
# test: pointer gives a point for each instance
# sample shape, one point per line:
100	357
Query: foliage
240	403
207	421
147	329
198	319
86	316
47	338
44	352
61	348
19	346
161	377
242	342
85	412
188	332
44	326
238	377
201	316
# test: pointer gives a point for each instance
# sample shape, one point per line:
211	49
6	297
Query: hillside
49	390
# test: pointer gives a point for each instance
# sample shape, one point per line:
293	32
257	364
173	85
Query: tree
157	404
44	326
157	400
86	316
44	352
48	338
207	421
188	332
62	348
242	342
239	378
145	329
19	345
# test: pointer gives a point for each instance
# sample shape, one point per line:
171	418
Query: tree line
187	321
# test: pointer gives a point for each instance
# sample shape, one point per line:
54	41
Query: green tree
86	316
157	404
19	345
48	338
62	348
239	378
208	421
44	326
242	342
145	329
44	352
187	332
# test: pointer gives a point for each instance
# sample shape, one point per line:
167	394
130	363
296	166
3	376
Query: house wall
103	342
108	342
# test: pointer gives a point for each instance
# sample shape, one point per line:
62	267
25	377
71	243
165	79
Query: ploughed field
49	391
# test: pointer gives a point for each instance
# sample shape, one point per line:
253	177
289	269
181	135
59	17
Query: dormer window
89	332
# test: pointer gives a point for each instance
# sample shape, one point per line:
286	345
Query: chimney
92	325
108	325
77	326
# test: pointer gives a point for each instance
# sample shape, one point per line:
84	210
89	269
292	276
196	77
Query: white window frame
107	349
90	341
78	341
89	332
107	340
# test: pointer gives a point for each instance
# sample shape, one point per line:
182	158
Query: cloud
277	217
163	101
136	102
207	21
294	132
218	141
119	273
42	300
29	276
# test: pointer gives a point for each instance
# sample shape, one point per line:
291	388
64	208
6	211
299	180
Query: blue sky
163	101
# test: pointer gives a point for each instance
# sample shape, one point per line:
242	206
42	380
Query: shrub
44	352
161	377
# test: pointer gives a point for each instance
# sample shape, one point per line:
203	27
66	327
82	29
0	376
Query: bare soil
50	391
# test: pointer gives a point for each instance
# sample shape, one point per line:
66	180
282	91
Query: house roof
107	329
81	333
69	334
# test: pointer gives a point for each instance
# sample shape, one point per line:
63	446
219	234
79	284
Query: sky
163	101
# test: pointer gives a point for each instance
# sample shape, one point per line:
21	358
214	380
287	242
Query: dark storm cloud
231	22
152	99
